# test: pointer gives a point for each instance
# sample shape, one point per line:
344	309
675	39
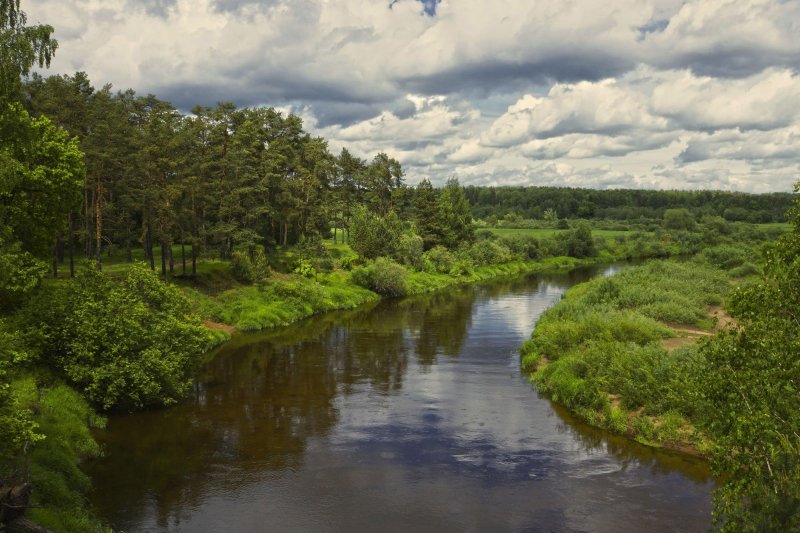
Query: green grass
598	351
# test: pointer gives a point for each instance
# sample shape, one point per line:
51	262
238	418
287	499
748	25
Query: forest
135	237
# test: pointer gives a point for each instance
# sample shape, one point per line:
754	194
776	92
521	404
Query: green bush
485	252
525	247
250	268
312	250
305	268
384	276
724	256
440	258
126	344
461	268
409	250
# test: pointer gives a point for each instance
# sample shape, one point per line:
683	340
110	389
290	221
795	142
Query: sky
664	94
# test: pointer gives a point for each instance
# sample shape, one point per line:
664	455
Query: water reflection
407	414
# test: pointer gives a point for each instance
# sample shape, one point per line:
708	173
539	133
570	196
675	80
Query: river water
409	415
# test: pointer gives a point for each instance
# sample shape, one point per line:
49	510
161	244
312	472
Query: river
407	415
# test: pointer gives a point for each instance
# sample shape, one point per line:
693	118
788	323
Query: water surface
409	415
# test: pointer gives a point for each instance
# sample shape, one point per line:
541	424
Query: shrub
409	250
305	268
461	267
384	276
489	253
579	242
312	250
127	344
441	259
724	256
250	268
523	246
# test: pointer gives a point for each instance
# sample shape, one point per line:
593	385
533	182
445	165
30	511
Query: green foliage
485	252
126	344
41	173
64	421
305	268
409	250
725	256
17	427
440	258
525	247
373	236
384	276
249	269
454	217
680	219
579	242
602	342
749	389
312	250
20	274
21	48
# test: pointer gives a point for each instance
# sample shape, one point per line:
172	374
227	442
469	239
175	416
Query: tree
40	176
127	344
383	175
580	242
374	236
680	219
454	217
21	48
426	214
750	391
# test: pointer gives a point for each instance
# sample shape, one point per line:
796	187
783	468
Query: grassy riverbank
287	298
620	351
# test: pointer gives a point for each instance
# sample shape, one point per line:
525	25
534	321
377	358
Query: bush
249	268
724	256
485	253
312	250
384	276
580	243
460	268
523	246
304	268
409	250
440	258
127	344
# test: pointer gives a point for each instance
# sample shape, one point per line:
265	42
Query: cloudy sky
590	93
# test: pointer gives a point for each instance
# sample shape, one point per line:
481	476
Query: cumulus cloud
653	93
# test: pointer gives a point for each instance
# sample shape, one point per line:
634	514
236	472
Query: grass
599	351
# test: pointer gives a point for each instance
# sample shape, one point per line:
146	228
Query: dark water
411	415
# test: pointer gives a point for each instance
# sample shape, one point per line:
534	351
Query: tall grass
598	351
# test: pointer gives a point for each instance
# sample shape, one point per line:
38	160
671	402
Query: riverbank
619	352
288	298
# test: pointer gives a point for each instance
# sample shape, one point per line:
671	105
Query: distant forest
624	204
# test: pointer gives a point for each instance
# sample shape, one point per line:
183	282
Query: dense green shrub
679	219
250	268
409	250
440	258
579	242
126	343
487	252
373	236
524	247
314	251
724	256
384	276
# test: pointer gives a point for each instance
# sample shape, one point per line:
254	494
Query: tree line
219	179
624	204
